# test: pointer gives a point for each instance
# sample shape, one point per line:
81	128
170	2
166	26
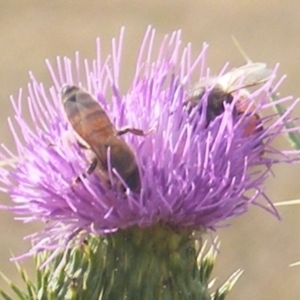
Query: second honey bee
223	90
96	132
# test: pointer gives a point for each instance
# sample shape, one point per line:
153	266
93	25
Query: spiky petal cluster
192	175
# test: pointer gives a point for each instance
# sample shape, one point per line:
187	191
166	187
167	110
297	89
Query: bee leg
134	131
83	146
88	171
92	166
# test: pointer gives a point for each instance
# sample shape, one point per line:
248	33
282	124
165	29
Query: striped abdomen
95	130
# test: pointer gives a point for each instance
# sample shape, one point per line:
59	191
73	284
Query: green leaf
292	136
17	291
5	296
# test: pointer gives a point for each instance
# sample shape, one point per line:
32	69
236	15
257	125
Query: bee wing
202	84
245	76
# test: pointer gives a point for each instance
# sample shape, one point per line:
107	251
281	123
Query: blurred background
31	31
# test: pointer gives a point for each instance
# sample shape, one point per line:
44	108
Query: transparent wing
245	76
202	84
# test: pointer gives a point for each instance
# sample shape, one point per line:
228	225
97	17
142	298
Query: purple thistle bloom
192	175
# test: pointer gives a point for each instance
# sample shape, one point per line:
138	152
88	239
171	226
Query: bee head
68	91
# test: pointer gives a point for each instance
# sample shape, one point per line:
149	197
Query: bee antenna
237	44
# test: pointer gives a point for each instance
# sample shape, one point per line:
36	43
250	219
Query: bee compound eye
66	89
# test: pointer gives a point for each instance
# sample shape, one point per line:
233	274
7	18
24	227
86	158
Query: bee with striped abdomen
96	132
223	89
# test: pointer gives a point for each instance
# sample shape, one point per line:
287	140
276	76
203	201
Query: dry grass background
31	31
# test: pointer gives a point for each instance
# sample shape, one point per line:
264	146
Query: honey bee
223	90
95	131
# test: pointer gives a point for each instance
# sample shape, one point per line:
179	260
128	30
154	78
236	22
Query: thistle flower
193	176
